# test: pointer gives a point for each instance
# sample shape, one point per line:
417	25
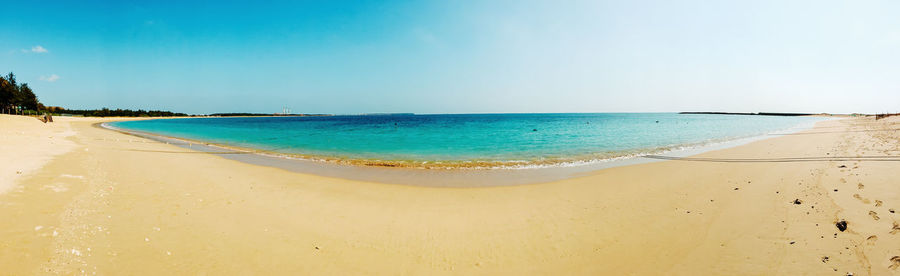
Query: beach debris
76	252
793	242
841	225
736	188
534	129
169	253
842	166
891	210
895	229
55	233
18	172
317	248
37	228
835	190
797	201
825	259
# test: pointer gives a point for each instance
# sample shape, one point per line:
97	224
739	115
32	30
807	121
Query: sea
469	141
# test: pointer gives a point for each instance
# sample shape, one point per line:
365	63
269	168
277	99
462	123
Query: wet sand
112	203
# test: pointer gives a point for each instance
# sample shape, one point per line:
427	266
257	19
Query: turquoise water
468	140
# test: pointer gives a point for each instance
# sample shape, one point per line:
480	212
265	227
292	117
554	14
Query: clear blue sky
458	56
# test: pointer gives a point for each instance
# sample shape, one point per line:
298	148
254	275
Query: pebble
841	225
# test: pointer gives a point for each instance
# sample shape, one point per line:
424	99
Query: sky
353	57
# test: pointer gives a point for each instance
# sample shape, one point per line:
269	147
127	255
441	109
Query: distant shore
752	113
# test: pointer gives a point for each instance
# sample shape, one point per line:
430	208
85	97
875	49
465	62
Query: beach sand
91	200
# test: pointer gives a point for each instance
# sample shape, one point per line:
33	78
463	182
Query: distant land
261	115
750	113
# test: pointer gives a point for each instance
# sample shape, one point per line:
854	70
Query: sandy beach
79	199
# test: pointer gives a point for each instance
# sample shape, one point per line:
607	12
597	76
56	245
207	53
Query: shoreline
118	202
460	164
443	176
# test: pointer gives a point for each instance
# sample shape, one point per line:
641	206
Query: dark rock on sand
841	225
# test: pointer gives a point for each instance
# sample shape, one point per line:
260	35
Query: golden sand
108	203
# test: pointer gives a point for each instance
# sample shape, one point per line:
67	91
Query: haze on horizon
458	56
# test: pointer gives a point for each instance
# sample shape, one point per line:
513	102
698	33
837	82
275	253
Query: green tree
27	99
13	94
7	92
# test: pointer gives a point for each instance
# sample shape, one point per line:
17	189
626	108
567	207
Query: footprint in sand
878	203
895	262
843	181
896	229
861	199
871	240
860	186
874	215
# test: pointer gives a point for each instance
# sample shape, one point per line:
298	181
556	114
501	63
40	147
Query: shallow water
469	140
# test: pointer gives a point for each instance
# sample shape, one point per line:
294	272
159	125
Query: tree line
106	112
18	98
